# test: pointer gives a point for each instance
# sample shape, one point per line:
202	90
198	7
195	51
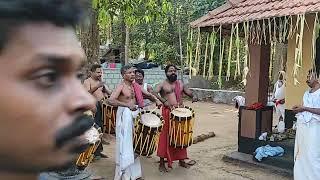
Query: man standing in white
279	95
307	145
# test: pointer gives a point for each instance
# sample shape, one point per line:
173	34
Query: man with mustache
99	90
307	146
95	85
42	99
128	97
171	91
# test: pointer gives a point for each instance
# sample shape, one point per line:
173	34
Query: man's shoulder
87	81
180	82
120	85
161	83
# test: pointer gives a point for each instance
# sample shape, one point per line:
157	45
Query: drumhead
150	120
92	135
182	112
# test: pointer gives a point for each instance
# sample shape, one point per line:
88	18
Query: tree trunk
181	52
126	50
90	41
111	30
146	37
280	60
123	38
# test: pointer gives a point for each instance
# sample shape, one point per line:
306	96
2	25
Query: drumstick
154	109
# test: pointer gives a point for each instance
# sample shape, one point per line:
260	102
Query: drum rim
177	118
149	112
180	146
99	133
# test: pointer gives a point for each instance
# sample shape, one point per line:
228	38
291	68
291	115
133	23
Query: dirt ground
222	119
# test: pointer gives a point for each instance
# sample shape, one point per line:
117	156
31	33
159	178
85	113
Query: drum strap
138	94
177	91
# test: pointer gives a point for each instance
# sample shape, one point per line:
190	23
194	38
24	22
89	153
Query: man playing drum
99	90
128	97
171	91
42	99
95	85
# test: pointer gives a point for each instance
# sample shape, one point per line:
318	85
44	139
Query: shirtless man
95	85
128	97
99	90
42	99
139	74
171	91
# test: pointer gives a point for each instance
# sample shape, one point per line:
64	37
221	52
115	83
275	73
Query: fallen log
203	137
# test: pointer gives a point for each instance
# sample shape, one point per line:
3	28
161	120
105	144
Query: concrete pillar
254	122
258	77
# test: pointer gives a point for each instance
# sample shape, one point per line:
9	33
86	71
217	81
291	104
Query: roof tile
249	10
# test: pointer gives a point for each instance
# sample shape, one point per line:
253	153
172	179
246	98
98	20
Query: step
238	157
287	160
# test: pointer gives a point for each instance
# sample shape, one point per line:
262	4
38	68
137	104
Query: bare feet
103	155
162	166
104	141
163	169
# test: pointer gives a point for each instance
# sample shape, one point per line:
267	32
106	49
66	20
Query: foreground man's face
40	94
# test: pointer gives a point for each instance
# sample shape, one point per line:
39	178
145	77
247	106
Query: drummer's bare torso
98	94
167	91
127	94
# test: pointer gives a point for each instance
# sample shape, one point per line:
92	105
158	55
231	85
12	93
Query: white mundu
307	144
280	95
128	166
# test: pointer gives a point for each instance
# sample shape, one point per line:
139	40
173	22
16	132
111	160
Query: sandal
191	162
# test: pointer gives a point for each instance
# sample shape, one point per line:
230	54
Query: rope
181	134
145	141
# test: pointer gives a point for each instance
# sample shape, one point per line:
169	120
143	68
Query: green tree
128	13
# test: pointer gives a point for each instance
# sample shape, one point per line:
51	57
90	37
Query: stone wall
199	82
217	96
112	77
